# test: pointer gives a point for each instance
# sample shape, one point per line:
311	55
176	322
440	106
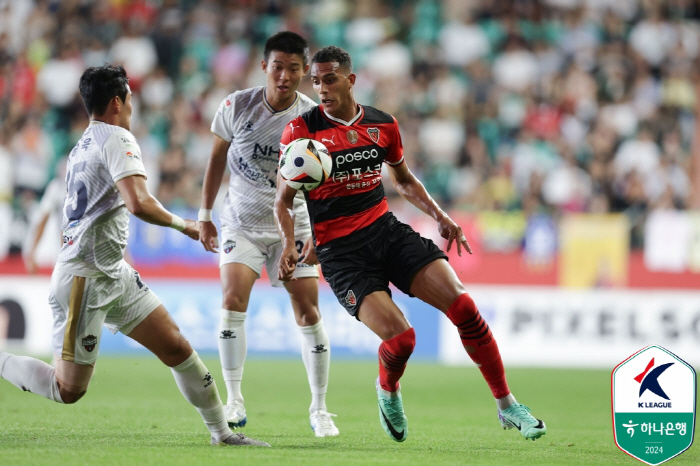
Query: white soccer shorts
258	249
81	305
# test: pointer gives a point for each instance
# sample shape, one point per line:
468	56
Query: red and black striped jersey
353	196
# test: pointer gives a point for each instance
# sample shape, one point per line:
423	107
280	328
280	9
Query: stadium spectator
583	69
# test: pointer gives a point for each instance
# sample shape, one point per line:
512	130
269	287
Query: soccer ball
305	164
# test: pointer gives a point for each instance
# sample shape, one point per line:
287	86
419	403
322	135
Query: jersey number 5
77	194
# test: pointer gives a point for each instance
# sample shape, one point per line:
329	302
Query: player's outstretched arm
284	218
414	192
212	181
146	207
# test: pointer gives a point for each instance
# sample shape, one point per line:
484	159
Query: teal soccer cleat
518	416
391	413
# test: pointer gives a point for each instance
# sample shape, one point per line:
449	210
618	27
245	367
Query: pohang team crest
653	403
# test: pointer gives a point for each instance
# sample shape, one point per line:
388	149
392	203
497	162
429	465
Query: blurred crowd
549	106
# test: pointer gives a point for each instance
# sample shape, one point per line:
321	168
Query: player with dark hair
362	247
92	285
247	129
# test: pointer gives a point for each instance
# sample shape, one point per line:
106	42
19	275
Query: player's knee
408	343
234	302
308	317
462	309
70	398
72	380
175	351
403	343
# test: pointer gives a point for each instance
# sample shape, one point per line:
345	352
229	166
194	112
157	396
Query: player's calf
479	343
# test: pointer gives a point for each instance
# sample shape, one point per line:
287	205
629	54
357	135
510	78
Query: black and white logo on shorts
89	343
350	298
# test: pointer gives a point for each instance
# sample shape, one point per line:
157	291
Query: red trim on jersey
342	226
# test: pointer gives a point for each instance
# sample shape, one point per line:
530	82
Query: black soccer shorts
367	260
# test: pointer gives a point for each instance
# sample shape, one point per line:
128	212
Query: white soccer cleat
235	414
322	424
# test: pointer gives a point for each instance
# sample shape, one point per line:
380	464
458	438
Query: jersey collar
267	105
343	122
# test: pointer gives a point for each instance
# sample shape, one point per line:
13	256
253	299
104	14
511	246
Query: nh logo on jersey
329	140
229	245
352	136
89	343
350	298
653	401
373	134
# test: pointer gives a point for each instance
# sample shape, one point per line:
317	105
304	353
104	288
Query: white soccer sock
506	401
316	354
198	387
232	351
30	375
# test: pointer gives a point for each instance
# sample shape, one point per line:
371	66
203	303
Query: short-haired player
362	247
92	285
247	129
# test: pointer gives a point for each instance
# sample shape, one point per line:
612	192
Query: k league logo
653	403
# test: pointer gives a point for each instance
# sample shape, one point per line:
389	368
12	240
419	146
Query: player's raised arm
146	207
284	208
212	181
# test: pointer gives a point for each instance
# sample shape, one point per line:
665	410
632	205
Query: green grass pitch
133	414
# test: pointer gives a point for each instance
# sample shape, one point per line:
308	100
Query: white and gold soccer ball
305	164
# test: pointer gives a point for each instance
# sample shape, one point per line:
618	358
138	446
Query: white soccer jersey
255	129
95	220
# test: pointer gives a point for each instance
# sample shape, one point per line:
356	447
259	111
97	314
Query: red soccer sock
393	356
479	343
